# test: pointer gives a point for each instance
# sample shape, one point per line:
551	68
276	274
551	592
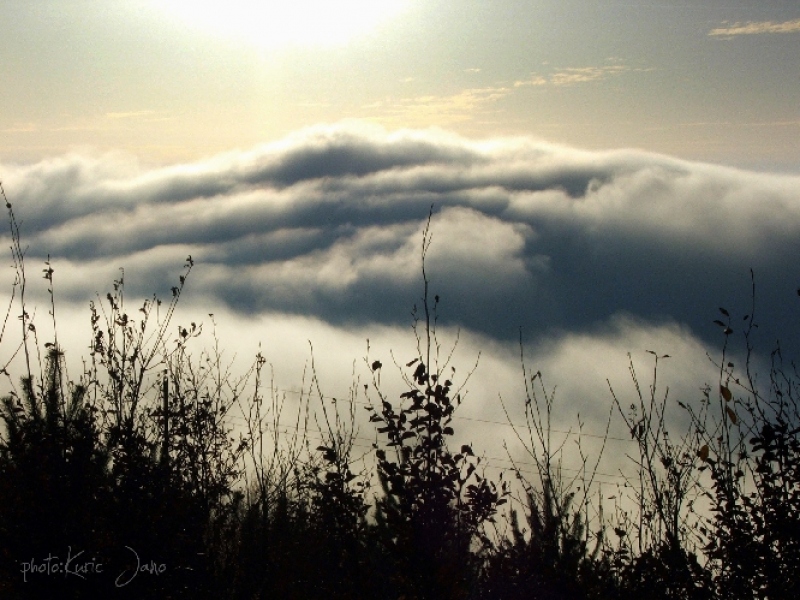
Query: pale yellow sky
175	81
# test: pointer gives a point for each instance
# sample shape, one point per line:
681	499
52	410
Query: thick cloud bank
327	224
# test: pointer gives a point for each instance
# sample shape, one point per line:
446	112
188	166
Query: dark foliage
435	501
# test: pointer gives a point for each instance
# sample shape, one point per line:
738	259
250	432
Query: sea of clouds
585	256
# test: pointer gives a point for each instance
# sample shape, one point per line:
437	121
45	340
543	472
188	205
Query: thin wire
474	419
323	438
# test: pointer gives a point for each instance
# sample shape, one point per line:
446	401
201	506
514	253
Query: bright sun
275	23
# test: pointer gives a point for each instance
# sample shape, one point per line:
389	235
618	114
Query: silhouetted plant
338	503
435	501
664	489
52	470
548	555
751	445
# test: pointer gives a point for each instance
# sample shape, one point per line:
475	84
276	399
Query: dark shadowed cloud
327	223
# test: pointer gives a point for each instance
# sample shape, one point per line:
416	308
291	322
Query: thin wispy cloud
472	103
751	124
756	28
445	110
22	128
575	75
133	114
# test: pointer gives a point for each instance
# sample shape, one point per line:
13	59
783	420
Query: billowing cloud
756	28
328	223
316	240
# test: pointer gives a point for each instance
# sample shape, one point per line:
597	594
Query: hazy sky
172	80
604	175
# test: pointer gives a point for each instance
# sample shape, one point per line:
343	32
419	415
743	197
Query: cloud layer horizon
317	237
525	235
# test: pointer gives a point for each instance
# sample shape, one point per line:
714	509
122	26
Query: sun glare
271	24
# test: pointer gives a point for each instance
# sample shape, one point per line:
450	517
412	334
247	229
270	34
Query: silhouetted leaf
726	393
419	373
703	453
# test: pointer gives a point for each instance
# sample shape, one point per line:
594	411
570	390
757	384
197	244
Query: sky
603	177
177	80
